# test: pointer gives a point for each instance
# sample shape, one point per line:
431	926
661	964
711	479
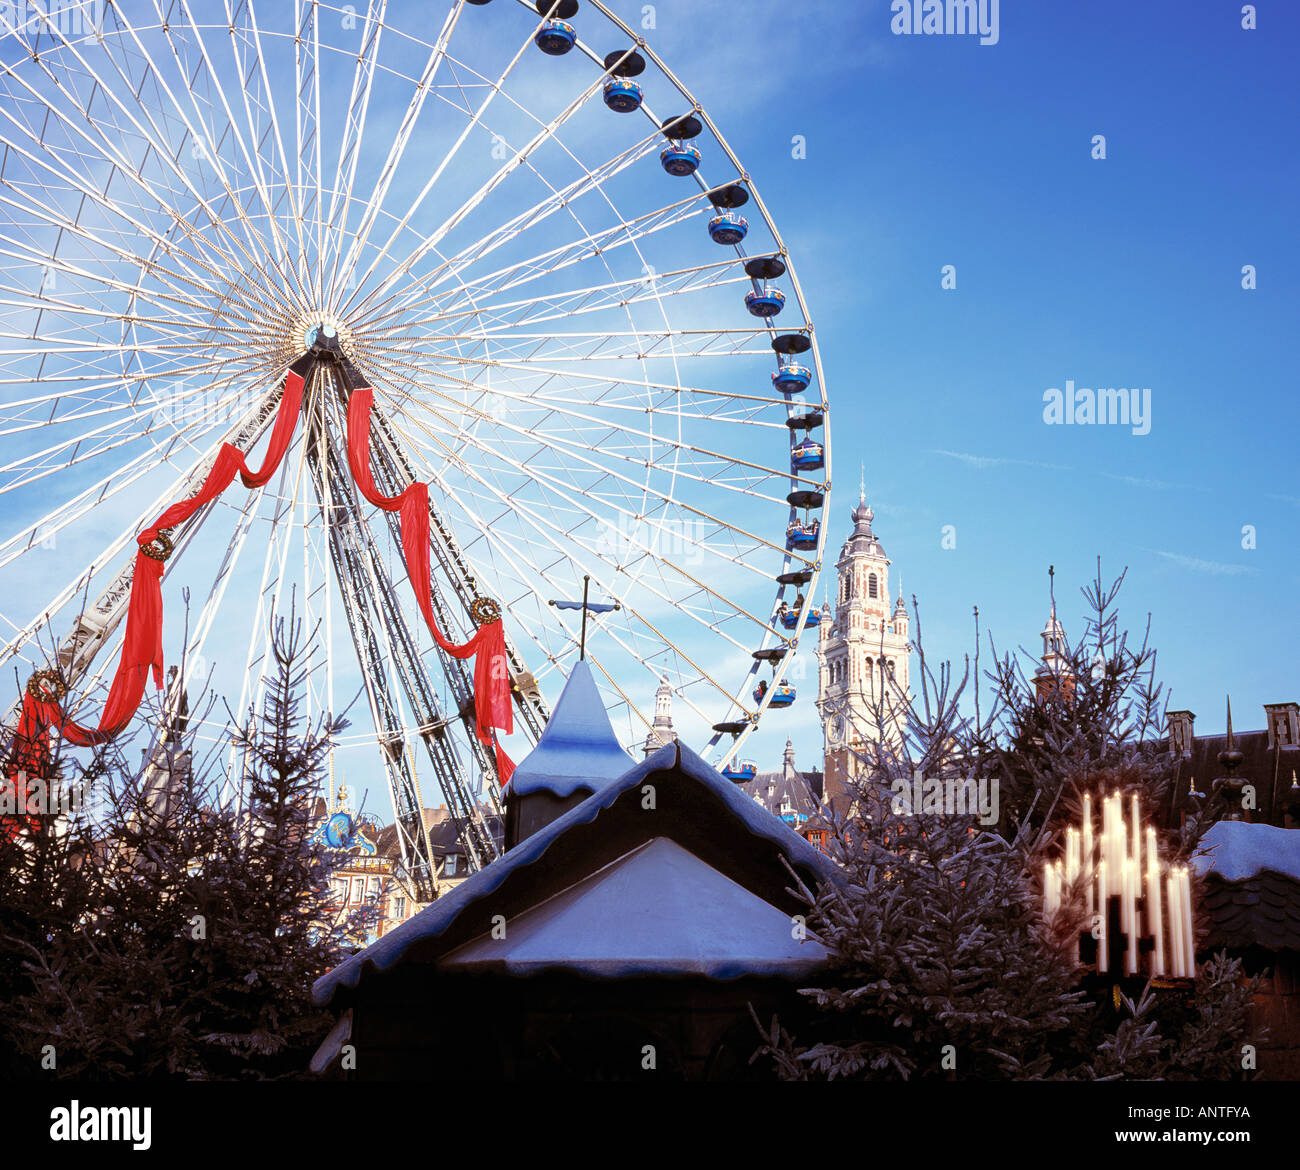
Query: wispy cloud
983	462
1196	565
1160	485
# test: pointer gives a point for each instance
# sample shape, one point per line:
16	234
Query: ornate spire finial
1230	757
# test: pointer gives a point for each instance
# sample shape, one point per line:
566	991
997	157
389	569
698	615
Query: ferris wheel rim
789	561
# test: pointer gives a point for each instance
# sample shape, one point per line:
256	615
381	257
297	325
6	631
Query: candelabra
1136	917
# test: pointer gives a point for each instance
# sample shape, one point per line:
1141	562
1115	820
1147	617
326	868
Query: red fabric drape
142	650
505	765
492	707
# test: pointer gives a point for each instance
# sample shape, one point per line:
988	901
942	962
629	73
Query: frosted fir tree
944	965
184	933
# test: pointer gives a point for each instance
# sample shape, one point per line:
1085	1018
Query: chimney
1180	732
1283	723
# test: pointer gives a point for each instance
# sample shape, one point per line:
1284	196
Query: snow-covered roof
578	748
421	937
1235	851
657	910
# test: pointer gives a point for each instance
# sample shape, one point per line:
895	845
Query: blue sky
924	151
921	152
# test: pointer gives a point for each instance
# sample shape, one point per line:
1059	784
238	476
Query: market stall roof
634	857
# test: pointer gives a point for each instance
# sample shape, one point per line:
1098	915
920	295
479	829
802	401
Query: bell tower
863	653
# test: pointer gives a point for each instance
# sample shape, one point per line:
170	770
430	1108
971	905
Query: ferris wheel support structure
373	612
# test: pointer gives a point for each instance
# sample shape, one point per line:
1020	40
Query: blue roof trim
578	748
435	919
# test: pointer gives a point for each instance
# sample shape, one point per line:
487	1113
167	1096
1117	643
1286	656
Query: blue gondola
740	773
556	37
680	159
782	696
802	534
792	378
807	456
790	619
767	301
622	95
728	228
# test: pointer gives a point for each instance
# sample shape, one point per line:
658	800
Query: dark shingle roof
1261	911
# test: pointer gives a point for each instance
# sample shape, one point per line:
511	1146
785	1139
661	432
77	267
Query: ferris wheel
512	223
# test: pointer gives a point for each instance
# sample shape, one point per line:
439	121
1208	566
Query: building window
449	865
872	586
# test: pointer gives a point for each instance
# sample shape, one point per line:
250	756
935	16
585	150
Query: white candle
1088	859
1102	942
1121	855
1185	905
1137	834
1155	921
1176	952
1130	915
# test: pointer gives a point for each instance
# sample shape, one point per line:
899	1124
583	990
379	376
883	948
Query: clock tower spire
863	653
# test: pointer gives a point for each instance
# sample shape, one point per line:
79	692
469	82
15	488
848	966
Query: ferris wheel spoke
306	60
86	501
297	270
545	264
154	139
576	302
52	266
636	404
588	244
612	344
563	546
430	242
69	453
576	499
93	391
252	247
423	88
576	448
111	152
626	514
98	240
354	123
252	160
410	366
591	179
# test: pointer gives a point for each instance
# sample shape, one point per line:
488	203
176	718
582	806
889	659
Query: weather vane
586	607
